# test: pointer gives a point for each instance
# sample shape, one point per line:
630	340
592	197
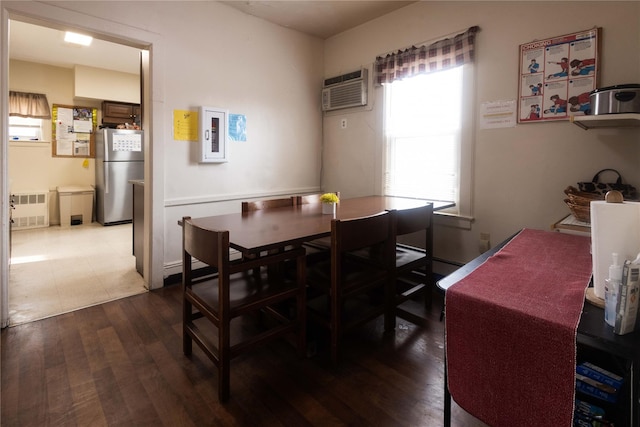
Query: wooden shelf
571	225
624	120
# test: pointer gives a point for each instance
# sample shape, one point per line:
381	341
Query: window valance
24	104
443	54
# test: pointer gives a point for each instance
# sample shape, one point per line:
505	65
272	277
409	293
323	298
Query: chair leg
335	329
430	285
224	386
187	342
224	361
390	305
301	318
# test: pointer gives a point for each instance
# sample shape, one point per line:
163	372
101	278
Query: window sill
30	144
453	220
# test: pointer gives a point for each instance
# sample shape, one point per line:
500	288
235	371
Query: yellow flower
329	198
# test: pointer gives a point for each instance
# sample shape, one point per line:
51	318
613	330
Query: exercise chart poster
557	76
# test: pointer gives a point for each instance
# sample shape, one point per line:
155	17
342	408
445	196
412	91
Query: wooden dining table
261	230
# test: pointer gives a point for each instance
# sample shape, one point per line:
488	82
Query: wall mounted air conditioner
347	90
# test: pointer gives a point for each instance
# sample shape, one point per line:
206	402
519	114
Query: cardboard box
627	307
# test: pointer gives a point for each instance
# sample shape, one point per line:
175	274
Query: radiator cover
31	210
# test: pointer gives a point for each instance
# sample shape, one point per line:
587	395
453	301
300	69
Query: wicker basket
581	212
581	198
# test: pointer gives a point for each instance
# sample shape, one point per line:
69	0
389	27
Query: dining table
263	230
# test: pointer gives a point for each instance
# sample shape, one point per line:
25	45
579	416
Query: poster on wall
556	76
238	127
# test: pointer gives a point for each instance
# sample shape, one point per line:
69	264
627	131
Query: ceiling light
76	38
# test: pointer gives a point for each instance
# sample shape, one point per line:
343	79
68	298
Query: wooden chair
348	287
268	204
317	246
234	292
414	265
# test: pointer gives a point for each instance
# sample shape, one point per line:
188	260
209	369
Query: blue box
593	388
603	376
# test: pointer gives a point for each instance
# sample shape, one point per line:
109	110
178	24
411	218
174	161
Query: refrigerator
119	160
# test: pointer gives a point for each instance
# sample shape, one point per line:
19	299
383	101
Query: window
428	146
25	129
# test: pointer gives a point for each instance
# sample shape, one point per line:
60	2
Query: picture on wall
557	75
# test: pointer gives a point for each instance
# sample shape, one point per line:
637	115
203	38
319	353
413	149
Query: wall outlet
343	123
485	242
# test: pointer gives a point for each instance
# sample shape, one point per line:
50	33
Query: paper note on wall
185	125
615	227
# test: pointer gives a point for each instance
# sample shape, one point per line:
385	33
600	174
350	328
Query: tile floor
55	270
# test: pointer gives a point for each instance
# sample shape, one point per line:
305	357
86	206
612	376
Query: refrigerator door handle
106	178
106	148
106	169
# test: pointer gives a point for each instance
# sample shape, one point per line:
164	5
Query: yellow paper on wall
185	125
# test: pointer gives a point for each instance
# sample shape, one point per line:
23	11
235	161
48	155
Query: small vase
329	208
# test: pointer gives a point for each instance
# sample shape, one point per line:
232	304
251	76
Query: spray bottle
611	289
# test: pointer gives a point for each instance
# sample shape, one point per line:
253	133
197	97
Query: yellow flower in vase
329	201
329	198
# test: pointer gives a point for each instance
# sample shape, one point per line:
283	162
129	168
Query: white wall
213	55
31	165
519	173
108	85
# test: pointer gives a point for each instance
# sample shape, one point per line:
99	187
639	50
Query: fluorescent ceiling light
76	38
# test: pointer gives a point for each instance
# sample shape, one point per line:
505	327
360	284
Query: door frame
152	99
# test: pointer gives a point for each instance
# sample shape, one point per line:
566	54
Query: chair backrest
312	198
209	246
357	233
268	204
413	220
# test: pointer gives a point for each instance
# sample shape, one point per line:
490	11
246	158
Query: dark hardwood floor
121	364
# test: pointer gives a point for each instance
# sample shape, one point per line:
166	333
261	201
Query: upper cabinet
120	113
625	120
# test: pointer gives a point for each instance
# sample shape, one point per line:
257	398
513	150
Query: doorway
67	254
56	269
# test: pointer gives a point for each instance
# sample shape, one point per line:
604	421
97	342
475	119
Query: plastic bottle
611	288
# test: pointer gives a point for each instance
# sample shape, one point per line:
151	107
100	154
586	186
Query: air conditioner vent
347	90
355	75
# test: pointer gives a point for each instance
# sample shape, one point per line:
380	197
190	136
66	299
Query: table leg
447	395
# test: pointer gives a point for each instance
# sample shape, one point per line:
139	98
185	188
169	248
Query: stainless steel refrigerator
119	159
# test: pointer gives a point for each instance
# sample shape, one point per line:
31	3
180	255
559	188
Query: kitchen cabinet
120	113
624	120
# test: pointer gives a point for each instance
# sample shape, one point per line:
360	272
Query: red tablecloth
511	331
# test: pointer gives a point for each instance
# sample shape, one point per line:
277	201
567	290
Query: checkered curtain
24	104
443	54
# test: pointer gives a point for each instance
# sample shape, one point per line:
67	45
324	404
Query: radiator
31	210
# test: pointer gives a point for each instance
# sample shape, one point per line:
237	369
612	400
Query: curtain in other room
441	55
33	105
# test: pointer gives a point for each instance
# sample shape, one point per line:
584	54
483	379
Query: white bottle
611	288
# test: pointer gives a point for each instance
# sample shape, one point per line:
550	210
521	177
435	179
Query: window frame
28	123
463	207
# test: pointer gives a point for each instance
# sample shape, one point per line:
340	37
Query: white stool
76	204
